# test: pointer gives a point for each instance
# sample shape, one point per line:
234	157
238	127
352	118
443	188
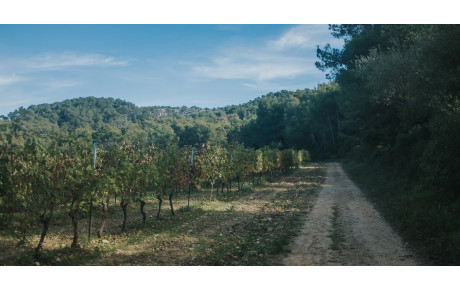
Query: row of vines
36	178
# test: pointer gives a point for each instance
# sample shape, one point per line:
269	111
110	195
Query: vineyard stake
91	197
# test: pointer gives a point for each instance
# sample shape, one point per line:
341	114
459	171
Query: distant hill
115	120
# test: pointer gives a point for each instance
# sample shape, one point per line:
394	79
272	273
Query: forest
390	112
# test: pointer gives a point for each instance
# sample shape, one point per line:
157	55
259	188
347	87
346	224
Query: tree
78	175
107	177
44	178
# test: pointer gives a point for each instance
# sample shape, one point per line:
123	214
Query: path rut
344	228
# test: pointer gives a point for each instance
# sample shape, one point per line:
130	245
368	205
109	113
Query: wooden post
91	197
190	183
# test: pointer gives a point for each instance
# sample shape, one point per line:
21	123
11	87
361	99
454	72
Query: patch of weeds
282	240
252	242
246	189
337	236
60	257
183	209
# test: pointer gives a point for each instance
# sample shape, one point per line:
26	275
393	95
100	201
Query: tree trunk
338	122
142	204
330	127
238	179
73	213
90	217
105	210
212	188
124	206
160	201
170	201
46	222
189	192
314	140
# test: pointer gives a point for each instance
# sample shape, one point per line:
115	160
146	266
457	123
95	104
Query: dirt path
343	228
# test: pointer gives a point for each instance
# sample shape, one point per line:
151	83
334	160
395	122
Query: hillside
270	120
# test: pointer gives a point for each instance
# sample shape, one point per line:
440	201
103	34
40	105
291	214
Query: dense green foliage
304	119
399	98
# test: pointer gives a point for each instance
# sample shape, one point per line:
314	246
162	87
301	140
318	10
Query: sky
159	64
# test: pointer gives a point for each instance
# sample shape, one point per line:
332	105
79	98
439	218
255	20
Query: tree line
301	119
398	109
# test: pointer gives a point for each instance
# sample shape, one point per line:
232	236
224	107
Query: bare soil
344	228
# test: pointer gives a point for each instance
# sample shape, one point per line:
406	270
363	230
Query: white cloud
297	37
63	60
290	56
258	67
305	37
7	80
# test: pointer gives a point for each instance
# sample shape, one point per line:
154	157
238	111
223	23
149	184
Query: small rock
104	241
37	264
58	259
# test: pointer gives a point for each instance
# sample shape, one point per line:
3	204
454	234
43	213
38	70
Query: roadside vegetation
426	221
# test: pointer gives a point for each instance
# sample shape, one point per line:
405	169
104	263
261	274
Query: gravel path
343	228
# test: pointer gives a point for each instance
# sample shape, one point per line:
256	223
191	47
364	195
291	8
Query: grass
251	227
337	236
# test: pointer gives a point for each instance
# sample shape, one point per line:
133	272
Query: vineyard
40	181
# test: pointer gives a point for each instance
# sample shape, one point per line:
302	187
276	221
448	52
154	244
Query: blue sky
201	65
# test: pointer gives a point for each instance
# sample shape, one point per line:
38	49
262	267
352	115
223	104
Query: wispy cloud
16	102
254	66
297	37
289	56
65	60
304	37
58	84
7	80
